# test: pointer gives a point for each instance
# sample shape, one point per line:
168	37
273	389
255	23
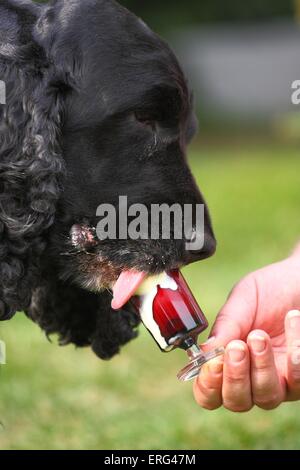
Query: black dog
96	107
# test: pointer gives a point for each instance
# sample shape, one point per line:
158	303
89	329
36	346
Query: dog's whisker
109	291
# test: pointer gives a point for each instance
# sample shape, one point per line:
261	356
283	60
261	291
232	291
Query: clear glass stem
194	351
197	358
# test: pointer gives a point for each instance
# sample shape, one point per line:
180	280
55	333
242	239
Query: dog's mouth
124	281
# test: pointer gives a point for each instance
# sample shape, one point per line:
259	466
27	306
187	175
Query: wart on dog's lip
83	236
126	285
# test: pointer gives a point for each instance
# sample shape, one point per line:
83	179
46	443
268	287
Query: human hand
260	327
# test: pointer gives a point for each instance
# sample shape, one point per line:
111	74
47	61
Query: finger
208	386
292	332
236	389
267	389
236	317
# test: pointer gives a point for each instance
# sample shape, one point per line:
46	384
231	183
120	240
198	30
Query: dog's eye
148	118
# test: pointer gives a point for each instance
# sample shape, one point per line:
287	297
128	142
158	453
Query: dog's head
104	111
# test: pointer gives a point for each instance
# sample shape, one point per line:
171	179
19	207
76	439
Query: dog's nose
199	245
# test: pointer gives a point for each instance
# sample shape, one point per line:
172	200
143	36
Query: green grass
57	398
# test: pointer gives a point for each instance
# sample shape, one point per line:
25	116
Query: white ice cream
147	292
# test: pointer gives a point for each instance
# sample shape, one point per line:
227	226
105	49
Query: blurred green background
57	398
62	398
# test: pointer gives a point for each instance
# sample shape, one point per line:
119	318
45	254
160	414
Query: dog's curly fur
53	59
31	164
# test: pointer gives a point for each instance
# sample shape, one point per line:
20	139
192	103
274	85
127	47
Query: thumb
235	320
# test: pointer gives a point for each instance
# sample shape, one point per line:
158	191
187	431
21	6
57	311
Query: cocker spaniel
97	106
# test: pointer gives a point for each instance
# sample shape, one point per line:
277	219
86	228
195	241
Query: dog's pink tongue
125	287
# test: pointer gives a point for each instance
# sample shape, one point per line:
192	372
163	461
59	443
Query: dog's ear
31	164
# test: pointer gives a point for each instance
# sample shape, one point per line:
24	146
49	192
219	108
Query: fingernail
294	318
237	353
258	343
216	365
209	341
